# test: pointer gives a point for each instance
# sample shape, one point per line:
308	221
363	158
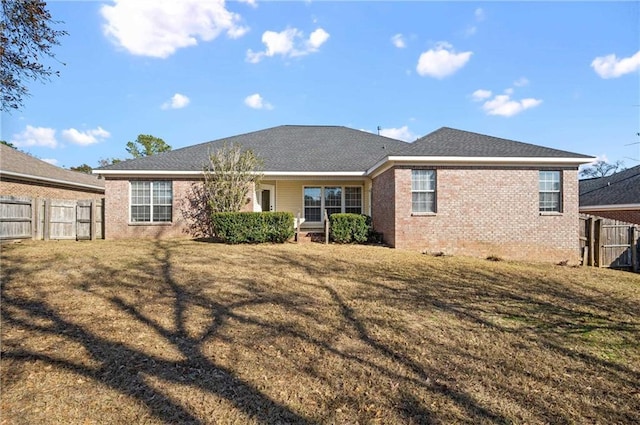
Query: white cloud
177	101
521	82
480	95
611	66
441	61
51	161
288	43
399	41
402	133
504	106
479	14
85	138
256	101
252	3
158	28
35	136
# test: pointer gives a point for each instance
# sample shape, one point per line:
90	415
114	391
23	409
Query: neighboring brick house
451	191
616	196
23	175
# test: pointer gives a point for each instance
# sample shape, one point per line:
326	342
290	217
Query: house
616	196
23	175
451	191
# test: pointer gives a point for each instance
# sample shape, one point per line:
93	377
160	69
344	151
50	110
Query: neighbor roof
334	149
287	148
451	142
621	188
20	166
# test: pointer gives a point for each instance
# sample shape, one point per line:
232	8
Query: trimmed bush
253	227
348	228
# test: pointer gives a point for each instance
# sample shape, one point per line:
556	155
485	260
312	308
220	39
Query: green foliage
348	228
26	38
147	145
84	168
103	162
11	145
252	227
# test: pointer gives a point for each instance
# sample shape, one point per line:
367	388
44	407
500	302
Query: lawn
185	332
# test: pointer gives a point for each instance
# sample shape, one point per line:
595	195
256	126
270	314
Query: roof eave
611	207
390	161
35	179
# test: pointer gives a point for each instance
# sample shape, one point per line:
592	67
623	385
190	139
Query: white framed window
151	201
423	191
335	199
550	188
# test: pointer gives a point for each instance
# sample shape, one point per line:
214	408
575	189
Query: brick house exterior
451	191
25	176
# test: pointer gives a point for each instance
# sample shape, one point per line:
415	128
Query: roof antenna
379	130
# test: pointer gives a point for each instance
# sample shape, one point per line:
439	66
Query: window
151	202
335	199
423	191
550	193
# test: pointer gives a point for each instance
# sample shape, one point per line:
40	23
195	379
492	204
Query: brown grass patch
157	332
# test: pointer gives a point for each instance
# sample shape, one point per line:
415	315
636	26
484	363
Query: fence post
590	241
92	218
633	245
597	248
34	218
47	220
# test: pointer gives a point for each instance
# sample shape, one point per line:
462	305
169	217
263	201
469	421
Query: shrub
348	228
252	227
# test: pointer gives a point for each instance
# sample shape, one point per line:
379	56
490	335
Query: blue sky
561	74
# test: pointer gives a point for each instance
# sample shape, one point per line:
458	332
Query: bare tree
26	37
601	168
228	176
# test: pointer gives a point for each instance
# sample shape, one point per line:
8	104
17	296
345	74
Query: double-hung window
550	191
151	201
333	199
423	191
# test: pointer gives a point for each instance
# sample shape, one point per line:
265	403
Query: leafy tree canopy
103	162
11	145
146	145
84	168
26	37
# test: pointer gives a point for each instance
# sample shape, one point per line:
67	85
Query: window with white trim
151	201
423	191
550	191
335	199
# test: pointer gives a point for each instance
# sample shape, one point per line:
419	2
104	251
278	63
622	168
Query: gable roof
451	142
287	148
622	188
300	149
20	166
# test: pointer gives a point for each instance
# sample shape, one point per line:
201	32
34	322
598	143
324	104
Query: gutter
612	207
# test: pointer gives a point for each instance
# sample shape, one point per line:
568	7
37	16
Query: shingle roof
451	142
298	148
285	148
617	189
14	162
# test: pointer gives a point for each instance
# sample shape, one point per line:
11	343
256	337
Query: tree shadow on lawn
417	363
124	369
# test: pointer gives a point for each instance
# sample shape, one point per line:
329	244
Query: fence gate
609	243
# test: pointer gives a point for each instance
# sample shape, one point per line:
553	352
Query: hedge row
348	228
253	227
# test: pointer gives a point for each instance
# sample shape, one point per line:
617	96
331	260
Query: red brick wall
383	205
117	210
484	212
16	188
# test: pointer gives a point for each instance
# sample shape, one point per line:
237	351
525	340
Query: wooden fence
37	218
609	243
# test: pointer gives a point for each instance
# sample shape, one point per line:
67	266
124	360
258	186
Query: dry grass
187	332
